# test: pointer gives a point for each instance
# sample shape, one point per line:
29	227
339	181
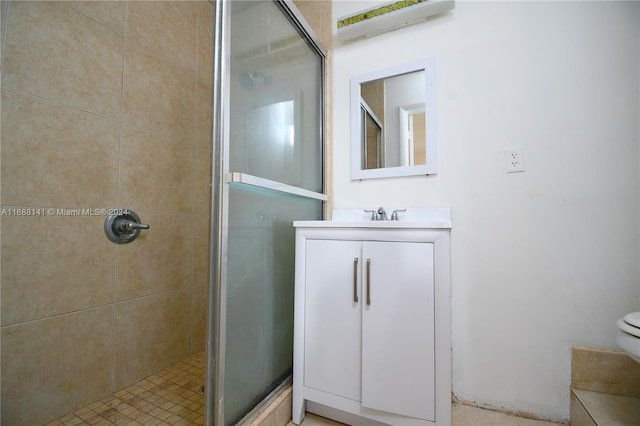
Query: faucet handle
394	215
374	214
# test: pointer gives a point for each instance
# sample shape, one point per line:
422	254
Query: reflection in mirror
413	135
404	94
393	122
371	138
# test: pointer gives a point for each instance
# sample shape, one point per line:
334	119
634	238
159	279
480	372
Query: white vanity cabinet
371	334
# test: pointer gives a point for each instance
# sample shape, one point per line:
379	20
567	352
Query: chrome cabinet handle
355	280
368	281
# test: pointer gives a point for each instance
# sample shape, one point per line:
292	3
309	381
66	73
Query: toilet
628	337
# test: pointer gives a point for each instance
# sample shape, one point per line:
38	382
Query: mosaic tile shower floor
173	396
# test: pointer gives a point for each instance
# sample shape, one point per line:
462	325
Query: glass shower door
271	175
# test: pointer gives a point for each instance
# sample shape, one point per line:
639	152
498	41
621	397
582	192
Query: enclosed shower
213	136
268	133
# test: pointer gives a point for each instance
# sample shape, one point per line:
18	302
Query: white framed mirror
393	121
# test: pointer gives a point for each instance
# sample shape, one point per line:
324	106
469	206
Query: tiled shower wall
104	105
319	16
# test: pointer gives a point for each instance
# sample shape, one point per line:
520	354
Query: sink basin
412	218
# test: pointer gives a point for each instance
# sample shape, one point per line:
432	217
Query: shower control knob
123	228
125	225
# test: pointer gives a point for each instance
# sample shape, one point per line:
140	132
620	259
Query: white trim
391	20
428	65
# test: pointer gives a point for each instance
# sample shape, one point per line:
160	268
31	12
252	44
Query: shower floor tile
172	396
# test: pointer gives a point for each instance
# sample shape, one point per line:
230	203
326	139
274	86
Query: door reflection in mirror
372	138
395	102
393	121
413	135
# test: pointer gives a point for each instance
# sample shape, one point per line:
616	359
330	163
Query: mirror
393	122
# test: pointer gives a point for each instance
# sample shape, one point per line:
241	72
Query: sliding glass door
268	133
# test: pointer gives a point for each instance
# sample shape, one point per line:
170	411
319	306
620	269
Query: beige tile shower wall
104	104
319	16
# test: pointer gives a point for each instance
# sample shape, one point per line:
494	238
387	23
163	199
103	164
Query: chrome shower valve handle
125	225
123	228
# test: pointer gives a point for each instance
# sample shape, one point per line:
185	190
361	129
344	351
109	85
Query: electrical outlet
514	159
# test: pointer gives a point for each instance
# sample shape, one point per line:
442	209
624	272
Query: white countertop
434	218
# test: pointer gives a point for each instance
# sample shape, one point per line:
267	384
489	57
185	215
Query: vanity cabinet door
332	318
398	359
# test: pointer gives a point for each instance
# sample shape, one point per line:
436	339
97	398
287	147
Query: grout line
584	407
193	175
102	24
70	106
36	320
118	177
104	305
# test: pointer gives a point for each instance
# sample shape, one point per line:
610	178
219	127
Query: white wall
542	259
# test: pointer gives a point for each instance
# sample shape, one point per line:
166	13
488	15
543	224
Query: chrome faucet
382	215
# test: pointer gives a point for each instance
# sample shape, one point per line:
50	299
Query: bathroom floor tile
606	409
172	396
461	415
313	420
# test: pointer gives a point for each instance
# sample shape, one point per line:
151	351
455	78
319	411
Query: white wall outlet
514	159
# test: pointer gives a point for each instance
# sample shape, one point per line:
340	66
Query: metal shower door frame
221	179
